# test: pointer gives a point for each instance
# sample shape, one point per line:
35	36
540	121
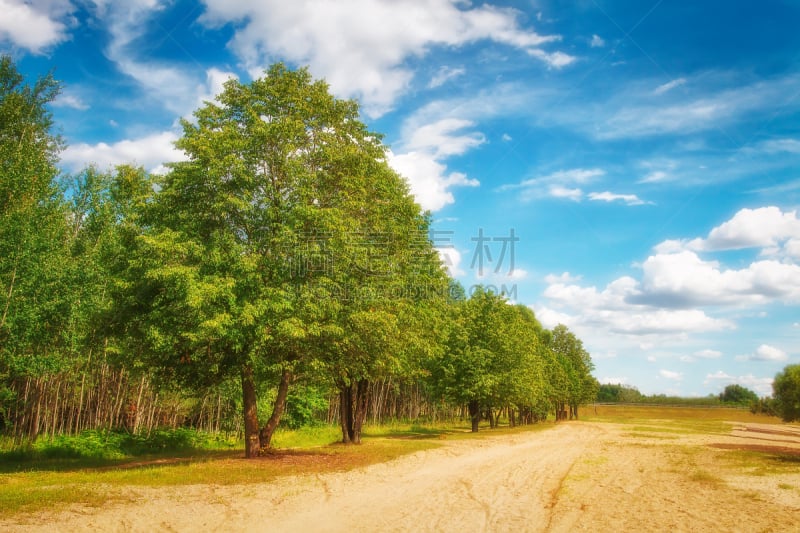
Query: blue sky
628	168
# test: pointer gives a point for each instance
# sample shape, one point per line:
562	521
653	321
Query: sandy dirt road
576	476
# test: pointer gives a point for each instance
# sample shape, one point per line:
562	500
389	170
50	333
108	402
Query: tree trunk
250	411
265	435
353	401
474	414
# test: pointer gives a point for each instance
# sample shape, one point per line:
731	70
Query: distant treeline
733	396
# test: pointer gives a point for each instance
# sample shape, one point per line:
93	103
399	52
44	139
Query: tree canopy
282	258
786	392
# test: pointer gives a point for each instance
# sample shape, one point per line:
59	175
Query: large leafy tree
33	231
272	249
786	392
735	393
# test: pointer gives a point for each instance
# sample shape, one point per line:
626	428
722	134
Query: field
619	469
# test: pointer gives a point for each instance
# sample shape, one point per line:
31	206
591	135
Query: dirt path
576	476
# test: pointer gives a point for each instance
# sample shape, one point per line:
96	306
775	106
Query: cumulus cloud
765	352
422	156
444	138
34	24
151	152
683	279
764	227
351	46
612	310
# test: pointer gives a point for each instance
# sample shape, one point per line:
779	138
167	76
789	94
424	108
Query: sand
576	476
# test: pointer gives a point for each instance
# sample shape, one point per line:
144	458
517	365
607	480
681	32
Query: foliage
738	394
282	260
763	406
34	291
619	393
113	445
304	405
786	393
499	356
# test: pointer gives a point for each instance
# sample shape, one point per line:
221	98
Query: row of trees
284	254
785	400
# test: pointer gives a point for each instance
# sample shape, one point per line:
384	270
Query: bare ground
576	476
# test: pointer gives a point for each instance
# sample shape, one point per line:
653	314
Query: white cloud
429	181
606	380
597	41
445	74
550	318
657	176
557	191
764	227
442	138
70	100
668	374
564	277
682	279
34	24
611	310
633	114
560	184
708	354
421	155
553	59
151	152
606	196
766	352
177	89
350	44
762	386
661	89
451	258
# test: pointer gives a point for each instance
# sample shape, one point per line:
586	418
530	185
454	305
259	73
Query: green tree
786	393
492	357
612	393
33	239
577	386
738	394
250	253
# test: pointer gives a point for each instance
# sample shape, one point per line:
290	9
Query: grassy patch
763	462
647	413
705	477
